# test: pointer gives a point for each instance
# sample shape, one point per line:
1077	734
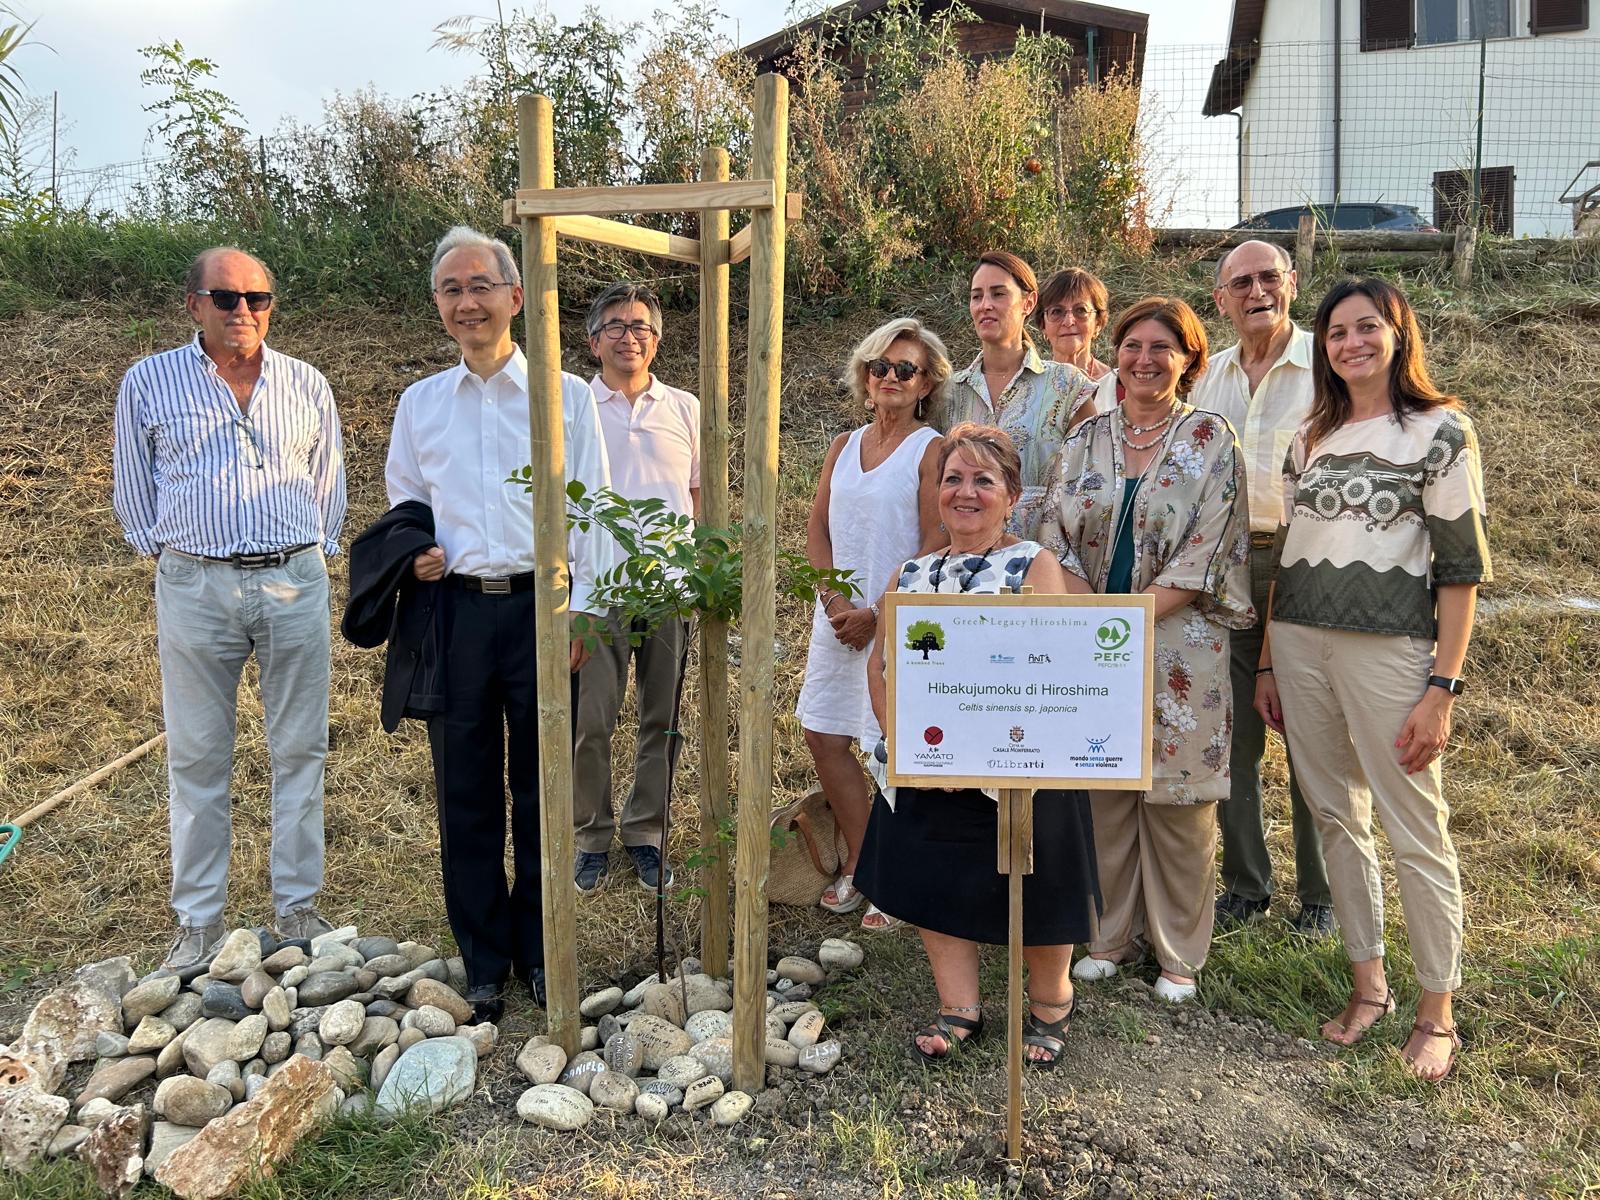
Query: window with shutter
1452	198
1558	16
1386	24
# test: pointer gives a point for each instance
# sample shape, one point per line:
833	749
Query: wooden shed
1103	39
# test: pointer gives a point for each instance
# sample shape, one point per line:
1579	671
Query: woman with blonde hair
875	507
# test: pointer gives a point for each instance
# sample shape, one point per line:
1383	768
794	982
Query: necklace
936	574
1130	427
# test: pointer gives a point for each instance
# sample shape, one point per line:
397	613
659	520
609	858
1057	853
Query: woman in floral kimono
1149	498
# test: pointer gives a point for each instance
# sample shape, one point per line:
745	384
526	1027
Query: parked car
1344	216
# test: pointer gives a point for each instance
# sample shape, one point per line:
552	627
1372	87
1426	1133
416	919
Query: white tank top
872	515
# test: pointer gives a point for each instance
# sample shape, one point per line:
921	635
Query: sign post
1019	692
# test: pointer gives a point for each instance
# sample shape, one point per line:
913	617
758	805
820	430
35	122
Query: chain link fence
1299	123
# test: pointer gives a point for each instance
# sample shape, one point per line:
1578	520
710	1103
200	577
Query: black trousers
486	738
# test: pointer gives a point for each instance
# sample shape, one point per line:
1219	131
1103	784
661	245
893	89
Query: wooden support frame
547	451
544	213
715	781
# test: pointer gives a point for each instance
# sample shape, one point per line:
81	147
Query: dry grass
79	685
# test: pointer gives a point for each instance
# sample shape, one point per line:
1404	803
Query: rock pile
668	1045
202	1076
235	1059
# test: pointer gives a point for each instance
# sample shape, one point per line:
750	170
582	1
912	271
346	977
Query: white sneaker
1176	993
1089	969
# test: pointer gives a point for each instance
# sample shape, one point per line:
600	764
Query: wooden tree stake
764	386
714	731
536	160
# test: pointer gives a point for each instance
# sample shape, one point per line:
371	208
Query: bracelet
1263	670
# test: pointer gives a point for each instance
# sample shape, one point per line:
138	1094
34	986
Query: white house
1378	100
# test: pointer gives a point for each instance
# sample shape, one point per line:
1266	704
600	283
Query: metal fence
1300	123
1314	122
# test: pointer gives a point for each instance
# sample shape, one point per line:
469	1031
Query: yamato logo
933	735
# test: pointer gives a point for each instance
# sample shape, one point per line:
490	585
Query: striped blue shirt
194	472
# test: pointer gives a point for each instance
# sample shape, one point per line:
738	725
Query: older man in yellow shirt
1263	386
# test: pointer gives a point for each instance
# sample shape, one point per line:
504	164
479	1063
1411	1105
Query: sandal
846	896
1429	1029
945	1026
1345	1018
875	920
1049	1036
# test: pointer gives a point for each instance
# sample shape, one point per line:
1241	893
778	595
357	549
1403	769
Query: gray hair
622	293
195	277
1283	256
465	235
876	344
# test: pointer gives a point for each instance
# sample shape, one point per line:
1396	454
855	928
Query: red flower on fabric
1204	431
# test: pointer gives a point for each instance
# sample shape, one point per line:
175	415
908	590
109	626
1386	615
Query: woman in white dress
876	506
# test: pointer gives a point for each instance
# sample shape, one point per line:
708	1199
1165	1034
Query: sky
284	59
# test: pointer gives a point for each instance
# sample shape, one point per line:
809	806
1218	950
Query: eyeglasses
1057	313
1240	285
227	299
879	368
478	291
617	330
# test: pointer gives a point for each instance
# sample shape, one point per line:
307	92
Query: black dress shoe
533	978
488	1006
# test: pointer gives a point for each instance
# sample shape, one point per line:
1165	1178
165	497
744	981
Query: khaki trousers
602	681
1346	696
1156	868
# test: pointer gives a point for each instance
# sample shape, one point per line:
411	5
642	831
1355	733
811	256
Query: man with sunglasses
652	434
228	466
458	437
1263	386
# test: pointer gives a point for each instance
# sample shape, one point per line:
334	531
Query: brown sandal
1429	1029
1357	1002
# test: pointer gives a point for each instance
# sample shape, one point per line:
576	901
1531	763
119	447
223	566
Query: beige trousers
1157	863
1346	696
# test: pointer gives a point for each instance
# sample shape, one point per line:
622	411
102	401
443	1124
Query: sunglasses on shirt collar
227	299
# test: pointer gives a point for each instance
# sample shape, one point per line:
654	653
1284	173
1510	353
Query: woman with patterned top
1380	556
1036	403
929	854
1149	498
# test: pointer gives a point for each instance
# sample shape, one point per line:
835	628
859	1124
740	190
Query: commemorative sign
1019	691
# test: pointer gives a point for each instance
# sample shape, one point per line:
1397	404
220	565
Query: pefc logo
1110	638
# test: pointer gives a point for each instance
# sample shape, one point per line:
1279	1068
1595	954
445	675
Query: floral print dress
1191	528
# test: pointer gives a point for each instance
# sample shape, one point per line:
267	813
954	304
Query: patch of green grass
355	1157
57	1179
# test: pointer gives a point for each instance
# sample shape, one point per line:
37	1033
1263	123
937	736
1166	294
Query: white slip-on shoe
1089	969
1175	993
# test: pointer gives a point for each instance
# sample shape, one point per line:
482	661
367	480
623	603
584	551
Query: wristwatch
1454	686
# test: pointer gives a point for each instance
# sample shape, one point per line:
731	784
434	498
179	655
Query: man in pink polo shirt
652	436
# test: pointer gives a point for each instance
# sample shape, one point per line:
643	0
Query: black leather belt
494	585
273	558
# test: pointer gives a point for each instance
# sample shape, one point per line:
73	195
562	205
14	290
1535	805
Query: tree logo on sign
1113	635
926	636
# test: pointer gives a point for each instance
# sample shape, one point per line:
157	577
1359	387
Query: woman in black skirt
929	853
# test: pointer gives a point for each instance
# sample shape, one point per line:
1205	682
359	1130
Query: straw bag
808	860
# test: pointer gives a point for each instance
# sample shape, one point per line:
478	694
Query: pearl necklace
1126	427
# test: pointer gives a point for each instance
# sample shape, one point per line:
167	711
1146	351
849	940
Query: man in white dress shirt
458	436
652	434
1263	387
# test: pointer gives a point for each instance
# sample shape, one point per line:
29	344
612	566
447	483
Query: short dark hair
1069	284
1181	320
622	293
195	277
